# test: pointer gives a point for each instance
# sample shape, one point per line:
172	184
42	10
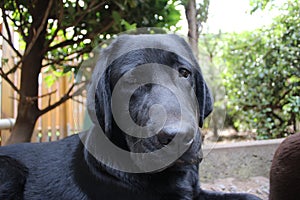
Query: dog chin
188	161
162	164
190	157
179	163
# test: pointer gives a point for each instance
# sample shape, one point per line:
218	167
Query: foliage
73	28
263	75
212	66
259	4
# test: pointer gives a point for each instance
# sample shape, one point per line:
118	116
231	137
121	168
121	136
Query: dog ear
203	94
99	94
103	103
204	98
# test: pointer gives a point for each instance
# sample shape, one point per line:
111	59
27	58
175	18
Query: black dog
173	97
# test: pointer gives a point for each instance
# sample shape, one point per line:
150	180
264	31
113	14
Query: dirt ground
257	185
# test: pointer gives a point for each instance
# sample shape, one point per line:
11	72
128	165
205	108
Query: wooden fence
62	121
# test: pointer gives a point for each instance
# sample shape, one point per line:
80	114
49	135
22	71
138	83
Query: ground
256	185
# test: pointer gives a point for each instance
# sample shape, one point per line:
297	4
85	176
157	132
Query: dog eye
184	72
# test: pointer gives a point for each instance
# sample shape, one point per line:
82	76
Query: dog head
150	94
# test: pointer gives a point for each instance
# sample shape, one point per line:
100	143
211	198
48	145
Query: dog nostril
164	138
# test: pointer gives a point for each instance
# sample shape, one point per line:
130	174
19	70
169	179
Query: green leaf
49	80
116	16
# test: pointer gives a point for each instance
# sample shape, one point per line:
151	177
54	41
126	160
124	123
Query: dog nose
166	135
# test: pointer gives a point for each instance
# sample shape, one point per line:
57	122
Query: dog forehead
167	42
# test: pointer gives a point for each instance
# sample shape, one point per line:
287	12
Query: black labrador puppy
146	101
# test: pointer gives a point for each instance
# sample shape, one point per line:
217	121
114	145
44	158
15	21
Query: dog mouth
173	154
182	162
189	159
152	144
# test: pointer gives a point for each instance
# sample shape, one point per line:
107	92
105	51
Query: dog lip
184	162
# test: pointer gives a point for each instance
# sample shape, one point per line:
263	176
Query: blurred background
248	51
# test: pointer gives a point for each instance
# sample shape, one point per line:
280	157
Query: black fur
285	170
66	170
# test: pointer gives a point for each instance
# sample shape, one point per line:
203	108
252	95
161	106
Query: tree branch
283	95
61	44
19	27
40	29
41	96
5	77
14	98
88	10
71	41
56	61
6	23
21	30
277	117
11	45
59	20
249	106
96	7
64	98
14	68
77	101
70	57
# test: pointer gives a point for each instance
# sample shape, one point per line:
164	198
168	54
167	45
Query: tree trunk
22	131
193	33
28	110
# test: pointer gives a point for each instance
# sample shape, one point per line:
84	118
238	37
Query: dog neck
176	181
